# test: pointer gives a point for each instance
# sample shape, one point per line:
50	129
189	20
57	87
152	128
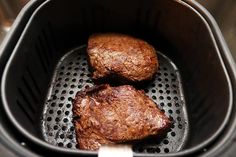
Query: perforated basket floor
72	75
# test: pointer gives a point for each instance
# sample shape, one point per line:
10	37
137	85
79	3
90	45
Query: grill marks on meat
121	56
107	115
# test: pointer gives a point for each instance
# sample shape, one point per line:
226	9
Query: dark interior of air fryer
50	66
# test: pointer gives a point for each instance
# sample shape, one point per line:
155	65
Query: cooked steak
107	115
121	56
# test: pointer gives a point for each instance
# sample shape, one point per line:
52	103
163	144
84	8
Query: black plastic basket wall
49	65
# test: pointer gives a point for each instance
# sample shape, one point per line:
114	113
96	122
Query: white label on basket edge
115	151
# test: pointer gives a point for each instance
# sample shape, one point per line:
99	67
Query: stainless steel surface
224	12
4	152
72	74
8	12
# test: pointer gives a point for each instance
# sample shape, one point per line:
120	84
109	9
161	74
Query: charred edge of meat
116	80
90	90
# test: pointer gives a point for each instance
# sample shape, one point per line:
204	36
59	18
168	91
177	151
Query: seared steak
117	55
107	115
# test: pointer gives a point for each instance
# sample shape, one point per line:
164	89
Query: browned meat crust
121	55
106	115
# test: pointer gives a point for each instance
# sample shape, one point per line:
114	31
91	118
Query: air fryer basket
48	66
72	74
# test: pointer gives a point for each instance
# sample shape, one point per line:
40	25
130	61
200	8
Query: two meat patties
107	115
